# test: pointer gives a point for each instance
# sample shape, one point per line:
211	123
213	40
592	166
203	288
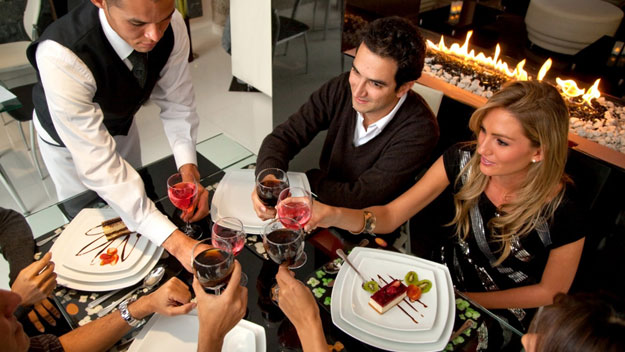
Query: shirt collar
120	46
381	123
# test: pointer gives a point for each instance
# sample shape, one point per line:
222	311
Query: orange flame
593	92
494	62
568	87
543	70
570	90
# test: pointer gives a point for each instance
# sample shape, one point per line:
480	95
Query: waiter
97	66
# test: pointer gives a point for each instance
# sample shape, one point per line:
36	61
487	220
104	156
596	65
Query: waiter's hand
181	246
200	204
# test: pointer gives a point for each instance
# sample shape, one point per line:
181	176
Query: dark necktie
139	66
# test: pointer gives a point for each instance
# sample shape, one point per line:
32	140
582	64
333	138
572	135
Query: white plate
180	334
74	240
96	286
60	253
429	340
425	336
394	318
233	197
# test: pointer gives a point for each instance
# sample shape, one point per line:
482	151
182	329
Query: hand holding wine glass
229	230
269	183
295	203
182	190
212	266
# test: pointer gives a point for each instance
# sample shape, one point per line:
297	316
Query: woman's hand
299	305
322	216
36	281
296	300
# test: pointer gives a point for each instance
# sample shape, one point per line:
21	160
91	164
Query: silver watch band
123	310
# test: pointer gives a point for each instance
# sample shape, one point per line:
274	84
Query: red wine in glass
213	268
269	191
284	246
269	183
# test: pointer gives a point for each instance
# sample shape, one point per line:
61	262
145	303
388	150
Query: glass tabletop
320	249
8	101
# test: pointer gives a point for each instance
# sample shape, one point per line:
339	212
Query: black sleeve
451	161
16	242
290	137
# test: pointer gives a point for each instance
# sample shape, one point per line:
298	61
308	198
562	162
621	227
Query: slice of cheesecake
388	296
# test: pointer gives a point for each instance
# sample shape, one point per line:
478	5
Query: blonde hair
540	109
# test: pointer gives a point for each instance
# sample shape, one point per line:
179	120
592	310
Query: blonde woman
517	237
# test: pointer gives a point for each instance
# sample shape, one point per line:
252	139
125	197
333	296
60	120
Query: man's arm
99	335
290	137
174	94
70	87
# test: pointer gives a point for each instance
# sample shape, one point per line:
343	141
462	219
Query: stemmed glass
284	242
269	183
229	230
182	191
212	265
295	203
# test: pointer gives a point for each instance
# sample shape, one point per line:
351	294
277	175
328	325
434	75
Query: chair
25	113
431	96
14	65
286	29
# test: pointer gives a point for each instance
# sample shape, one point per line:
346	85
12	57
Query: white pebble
82	299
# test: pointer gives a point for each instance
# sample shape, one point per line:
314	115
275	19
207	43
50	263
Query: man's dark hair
398	39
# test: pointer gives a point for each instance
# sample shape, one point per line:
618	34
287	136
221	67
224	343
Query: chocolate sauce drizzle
106	244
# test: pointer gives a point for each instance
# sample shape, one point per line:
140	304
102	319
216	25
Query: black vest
118	93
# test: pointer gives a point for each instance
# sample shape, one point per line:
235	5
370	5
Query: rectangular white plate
233	197
180	334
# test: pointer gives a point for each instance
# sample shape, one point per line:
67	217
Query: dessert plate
342	305
180	334
82	250
233	197
423	310
99	286
396	345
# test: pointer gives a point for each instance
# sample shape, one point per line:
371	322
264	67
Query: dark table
280	333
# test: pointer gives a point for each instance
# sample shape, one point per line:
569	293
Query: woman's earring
534	161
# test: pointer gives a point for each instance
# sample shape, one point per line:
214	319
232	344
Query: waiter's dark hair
397	38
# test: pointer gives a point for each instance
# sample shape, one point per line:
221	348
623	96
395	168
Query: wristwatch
123	310
369	225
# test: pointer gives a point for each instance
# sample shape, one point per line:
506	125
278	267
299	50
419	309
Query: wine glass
182	191
212	266
269	183
295	203
229	230
284	244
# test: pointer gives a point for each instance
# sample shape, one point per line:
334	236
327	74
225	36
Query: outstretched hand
322	216
172	298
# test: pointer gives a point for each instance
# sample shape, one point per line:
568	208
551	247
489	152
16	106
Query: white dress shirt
362	136
70	87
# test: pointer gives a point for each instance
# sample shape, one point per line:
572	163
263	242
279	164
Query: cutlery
344	257
151	280
44	241
102	298
467	324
